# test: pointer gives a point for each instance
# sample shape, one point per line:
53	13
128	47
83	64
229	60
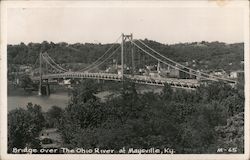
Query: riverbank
19	98
13	90
16	91
60	95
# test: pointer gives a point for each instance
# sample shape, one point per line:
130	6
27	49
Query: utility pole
40	72
46	67
158	67
122	50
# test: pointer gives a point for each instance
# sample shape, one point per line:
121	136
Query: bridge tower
128	37
43	89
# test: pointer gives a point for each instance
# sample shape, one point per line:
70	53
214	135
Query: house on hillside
220	73
236	74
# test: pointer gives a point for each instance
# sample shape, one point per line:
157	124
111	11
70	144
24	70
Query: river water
58	99
17	97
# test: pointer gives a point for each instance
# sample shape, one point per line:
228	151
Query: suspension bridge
120	62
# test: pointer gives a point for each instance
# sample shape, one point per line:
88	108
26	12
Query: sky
105	24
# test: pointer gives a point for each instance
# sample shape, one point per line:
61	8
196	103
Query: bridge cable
92	64
47	61
47	55
105	59
52	65
170	64
183	65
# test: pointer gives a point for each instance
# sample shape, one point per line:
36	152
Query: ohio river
17	97
58	99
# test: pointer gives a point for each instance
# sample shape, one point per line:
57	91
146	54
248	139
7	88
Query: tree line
199	121
208	55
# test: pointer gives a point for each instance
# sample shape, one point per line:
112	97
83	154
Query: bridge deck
157	81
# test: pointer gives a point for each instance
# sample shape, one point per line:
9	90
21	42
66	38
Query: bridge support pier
39	91
44	89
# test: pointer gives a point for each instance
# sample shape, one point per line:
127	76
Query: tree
84	92
45	46
53	116
167	92
185	121
24	126
231	135
26	82
212	55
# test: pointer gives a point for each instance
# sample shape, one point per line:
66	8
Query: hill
202	55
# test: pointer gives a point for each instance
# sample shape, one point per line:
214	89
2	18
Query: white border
57	4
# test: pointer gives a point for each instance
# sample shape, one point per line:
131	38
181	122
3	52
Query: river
17	97
58	99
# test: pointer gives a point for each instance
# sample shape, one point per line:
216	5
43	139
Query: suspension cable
52	65
170	64
47	55
183	65
105	59
92	64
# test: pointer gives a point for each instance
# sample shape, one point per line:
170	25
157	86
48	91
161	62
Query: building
174	73
154	74
233	74
220	73
236	74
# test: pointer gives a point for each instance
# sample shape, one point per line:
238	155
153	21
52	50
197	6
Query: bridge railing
181	83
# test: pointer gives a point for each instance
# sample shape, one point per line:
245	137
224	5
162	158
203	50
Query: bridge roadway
140	79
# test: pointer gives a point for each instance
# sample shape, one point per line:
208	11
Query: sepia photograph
145	78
